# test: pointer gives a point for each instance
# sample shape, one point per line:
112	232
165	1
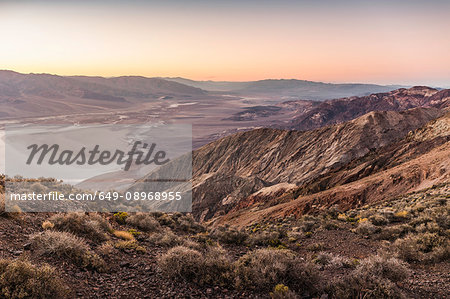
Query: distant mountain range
31	95
24	95
289	88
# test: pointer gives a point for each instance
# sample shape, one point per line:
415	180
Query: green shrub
280	291
120	217
130	245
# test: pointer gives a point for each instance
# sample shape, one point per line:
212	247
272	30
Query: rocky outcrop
344	109
419	161
226	171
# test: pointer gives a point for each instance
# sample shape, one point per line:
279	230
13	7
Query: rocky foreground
391	249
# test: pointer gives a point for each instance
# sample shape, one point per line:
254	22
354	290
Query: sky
386	42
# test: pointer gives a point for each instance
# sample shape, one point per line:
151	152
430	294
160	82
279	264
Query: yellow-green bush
120	217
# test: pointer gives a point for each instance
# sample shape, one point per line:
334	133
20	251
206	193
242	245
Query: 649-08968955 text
54	196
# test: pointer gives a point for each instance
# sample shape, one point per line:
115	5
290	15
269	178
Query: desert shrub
378	219
334	211
130	245
263	268
38	188
366	228
388	214
210	268
134	232
123	235
165	238
229	235
106	249
440	253
188	224
15	212
443	220
330	224
203	238
422	219
401	215
280	291
93	226
294	236
120	217
385	267
166	219
431	227
265	238
315	247
145	222
370	287
332	261
323	258
47	225
309	223
408	249
423	247
21	279
66	245
374	277
394	232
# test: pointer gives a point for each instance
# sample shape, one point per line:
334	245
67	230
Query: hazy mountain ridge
27	95
301	89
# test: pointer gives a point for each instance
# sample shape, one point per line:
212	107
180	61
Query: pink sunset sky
387	42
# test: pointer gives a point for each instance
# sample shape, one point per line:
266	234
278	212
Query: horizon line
217	81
